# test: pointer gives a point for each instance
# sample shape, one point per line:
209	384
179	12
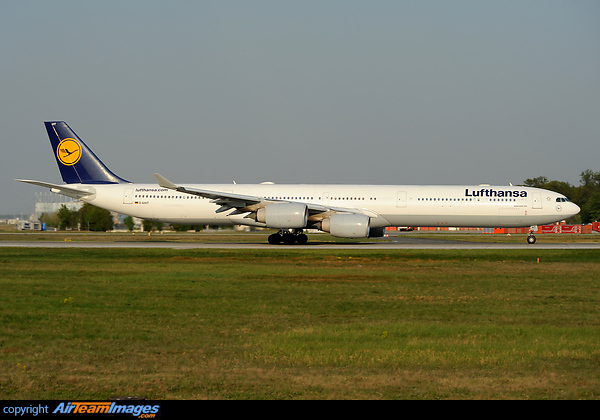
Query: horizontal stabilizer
62	189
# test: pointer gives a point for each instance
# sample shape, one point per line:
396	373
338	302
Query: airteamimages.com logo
79	408
143	411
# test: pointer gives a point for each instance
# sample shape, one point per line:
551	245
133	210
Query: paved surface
394	243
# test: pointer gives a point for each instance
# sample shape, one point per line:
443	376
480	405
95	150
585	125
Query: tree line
95	219
88	217
586	195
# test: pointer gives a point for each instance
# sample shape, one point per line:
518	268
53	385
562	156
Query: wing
227	201
250	204
62	189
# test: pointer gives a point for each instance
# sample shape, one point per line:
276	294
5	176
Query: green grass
306	324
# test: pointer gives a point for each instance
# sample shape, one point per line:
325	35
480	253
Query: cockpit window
562	199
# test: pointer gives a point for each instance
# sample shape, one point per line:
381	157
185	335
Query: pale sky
360	92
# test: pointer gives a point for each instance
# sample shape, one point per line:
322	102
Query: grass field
8	233
299	324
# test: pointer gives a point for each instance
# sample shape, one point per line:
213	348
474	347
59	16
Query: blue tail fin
77	163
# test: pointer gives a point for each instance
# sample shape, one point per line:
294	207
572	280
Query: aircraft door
401	202
325	200
537	201
128	196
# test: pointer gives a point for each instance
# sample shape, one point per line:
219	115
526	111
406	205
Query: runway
396	243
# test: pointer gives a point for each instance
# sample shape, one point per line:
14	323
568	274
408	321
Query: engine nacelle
283	215
347	225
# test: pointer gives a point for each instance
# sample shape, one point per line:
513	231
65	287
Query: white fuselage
387	205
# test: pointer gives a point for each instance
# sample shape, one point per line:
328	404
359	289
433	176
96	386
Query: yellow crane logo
68	152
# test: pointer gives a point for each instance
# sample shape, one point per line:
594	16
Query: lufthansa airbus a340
347	211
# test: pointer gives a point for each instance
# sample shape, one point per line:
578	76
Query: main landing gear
288	237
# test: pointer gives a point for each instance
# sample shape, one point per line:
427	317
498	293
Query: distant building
49	202
27	225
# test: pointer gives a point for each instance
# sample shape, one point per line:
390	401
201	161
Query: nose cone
573	209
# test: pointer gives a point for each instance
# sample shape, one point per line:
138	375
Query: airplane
345	211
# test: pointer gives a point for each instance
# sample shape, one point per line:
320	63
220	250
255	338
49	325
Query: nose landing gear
530	237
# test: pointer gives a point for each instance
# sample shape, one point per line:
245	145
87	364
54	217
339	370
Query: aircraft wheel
301	239
289	239
274	239
531	239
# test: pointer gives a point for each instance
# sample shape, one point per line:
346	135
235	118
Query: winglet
164	182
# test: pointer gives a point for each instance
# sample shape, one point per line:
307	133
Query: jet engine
347	225
283	215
